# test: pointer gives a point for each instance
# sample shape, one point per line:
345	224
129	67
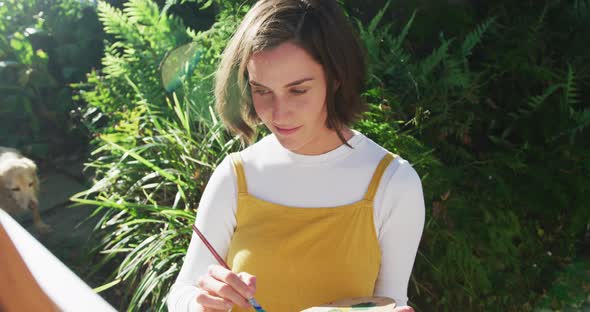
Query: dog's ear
31	168
29	164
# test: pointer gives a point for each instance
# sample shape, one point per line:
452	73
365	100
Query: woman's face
289	95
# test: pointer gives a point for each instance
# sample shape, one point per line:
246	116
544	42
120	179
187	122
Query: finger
212	303
221	289
213	310
222	274
249	280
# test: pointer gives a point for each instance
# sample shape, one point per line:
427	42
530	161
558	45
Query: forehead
18	176
282	64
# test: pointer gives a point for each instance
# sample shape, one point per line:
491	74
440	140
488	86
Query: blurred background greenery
487	99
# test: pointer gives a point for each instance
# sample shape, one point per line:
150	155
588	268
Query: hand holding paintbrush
212	283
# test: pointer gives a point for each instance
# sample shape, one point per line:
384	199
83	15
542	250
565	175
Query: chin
293	143
289	143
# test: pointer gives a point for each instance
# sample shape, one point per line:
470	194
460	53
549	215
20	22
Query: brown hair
317	26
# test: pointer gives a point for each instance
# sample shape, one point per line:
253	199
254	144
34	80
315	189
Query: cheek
263	108
316	106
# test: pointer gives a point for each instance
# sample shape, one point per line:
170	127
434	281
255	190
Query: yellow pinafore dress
303	257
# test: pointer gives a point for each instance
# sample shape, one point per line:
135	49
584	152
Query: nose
23	202
281	110
33	204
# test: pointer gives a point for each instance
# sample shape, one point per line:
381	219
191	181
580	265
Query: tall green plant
154	151
148	189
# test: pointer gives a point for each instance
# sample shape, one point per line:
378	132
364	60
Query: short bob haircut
322	30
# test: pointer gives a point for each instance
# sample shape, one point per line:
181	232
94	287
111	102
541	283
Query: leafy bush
45	46
508	122
154	151
494	119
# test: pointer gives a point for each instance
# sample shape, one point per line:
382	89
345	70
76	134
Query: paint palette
368	304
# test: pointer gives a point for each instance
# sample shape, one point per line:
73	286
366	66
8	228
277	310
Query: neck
326	143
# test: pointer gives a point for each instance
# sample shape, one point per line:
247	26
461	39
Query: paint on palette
364	305
355	307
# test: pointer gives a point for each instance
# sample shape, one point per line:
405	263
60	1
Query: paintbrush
252	301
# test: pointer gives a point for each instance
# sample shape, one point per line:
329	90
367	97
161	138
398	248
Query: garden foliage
493	115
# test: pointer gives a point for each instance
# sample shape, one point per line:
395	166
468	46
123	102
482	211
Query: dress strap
239	171
385	161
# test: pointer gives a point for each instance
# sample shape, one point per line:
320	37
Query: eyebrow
294	83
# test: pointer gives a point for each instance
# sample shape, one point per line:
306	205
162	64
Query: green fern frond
435	58
116	23
475	36
535	29
570	89
141	12
146	18
376	40
377	19
167	5
534	102
171	3
110	17
454	75
372	41
581	123
396	43
404	33
114	64
582	120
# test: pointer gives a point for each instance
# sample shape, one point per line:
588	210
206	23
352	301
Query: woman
315	211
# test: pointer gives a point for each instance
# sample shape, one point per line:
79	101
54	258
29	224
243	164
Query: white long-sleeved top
339	177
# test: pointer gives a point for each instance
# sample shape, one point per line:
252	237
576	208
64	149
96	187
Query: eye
261	91
15	189
298	91
31	184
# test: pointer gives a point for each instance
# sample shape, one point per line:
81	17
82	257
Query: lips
287	131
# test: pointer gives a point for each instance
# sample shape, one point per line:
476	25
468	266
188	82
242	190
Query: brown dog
19	185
